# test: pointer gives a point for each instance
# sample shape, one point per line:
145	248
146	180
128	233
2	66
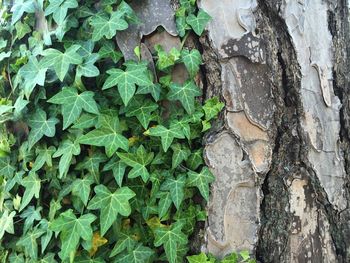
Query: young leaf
212	107
107	135
135	74
198	22
201	258
59	9
111	204
40	126
167	135
201	181
32	183
170	237
105	25
138	161
185	94
192	60
73	104
61	61
72	229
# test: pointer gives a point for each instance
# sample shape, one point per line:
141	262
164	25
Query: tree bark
281	150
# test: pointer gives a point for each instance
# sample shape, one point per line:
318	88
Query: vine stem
184	39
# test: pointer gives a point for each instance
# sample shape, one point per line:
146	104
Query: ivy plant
99	161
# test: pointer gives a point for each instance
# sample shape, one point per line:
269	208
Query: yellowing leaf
97	241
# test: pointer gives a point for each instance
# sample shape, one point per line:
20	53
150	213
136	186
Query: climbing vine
100	157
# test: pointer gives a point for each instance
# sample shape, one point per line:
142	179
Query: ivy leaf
140	254
30	215
20	7
192	59
180	154
135	74
92	164
81	188
105	25
108	50
195	160
44	155
59	9
170	237
28	242
72	229
85	121
176	187
6	223
138	161
61	61
66	150
141	108
182	26
22	29
154	90
40	126
212	107
118	169
32	183
201	181
198	22
97	241
74	103
6	169
111	204
107	135
88	69
185	94
124	242
201	258
167	135
164	203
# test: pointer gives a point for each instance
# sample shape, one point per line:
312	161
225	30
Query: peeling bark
282	155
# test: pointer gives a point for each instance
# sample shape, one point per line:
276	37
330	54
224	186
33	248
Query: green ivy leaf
180	154
29	243
141	108
138	162
92	164
107	135
6	169
111	204
40	126
154	90
167	135
195	160
212	107
66	150
72	229
176	187
74	103
140	254
201	181
61	61
198	22
59	9
20	7
192	59
6	223
22	29
105	25
164	203
118	169
170	237
108	50
135	74
32	184
81	187
44	155
185	94
87	68
201	258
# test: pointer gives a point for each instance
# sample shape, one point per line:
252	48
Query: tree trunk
281	153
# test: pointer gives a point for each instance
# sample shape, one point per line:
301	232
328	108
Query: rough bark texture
282	154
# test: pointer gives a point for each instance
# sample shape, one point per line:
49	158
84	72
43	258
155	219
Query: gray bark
281	151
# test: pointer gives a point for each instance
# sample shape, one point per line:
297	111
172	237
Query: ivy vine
99	161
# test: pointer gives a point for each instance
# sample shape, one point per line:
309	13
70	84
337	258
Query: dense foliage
99	161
